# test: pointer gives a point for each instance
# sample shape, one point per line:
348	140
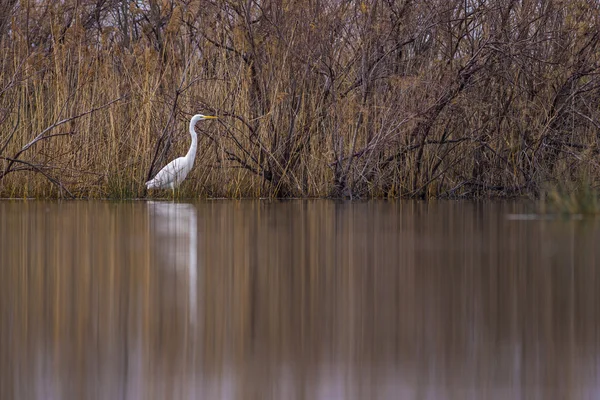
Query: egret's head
196	118
200	117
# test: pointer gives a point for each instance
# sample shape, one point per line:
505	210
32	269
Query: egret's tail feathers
157	183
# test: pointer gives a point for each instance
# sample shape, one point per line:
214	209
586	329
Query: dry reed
346	99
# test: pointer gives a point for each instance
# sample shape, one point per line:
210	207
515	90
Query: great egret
175	172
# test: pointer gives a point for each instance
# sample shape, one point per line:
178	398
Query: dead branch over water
355	99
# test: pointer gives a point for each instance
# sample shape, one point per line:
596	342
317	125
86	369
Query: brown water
296	300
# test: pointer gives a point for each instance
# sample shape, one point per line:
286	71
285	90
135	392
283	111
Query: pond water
296	300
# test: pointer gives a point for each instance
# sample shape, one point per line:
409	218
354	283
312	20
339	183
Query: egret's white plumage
175	172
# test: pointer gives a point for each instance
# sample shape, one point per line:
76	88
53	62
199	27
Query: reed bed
388	99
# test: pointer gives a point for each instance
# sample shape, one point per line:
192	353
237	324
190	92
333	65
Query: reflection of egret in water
174	226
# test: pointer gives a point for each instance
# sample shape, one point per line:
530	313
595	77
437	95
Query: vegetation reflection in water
298	299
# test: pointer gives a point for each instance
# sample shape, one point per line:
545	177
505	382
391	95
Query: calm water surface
296	300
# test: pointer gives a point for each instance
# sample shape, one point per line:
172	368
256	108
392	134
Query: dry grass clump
347	99
576	198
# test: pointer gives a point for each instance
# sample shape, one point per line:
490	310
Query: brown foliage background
316	98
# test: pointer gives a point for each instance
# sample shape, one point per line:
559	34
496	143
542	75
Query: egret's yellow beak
209	117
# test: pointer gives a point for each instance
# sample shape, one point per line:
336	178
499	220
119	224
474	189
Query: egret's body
176	171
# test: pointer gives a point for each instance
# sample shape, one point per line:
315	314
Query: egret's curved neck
191	154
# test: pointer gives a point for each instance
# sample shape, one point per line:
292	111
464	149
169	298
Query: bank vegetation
359	99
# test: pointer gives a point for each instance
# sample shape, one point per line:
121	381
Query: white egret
175	172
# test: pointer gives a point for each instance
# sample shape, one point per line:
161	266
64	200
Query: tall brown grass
355	99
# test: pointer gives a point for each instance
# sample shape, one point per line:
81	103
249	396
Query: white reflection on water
175	228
